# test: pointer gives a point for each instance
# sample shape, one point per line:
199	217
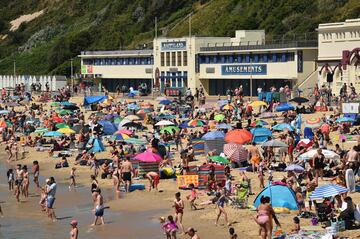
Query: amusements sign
173	46
87	69
259	69
183	181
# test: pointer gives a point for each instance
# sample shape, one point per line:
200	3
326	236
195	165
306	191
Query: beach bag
337	226
314	221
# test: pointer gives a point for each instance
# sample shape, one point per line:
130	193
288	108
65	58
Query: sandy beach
131	215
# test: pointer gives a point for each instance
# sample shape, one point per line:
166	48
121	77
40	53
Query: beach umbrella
219	159
282	126
118	120
148	157
66	103
227	107
146	105
53	134
4	112
196	123
258	103
275	144
285	107
313	123
71	107
66	131
328	190
223	126
299	100
260	134
3	125
239	136
165	102
258	123
142	112
61	125
327	153
222	102
306	143
170	129
219	117
344	120
124	131
184	124
132	124
120	136
295	168
164	123
236	152
135	141
133	107
64	112
123	122
160	98
40	130
54	104
212	135
132	117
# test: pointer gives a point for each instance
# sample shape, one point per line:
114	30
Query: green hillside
46	44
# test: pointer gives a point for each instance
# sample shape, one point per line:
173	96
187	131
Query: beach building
214	63
338	59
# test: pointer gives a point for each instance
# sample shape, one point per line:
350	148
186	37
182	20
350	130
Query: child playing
72	178
296	227
163	227
11	179
171	227
192	197
43	197
261	175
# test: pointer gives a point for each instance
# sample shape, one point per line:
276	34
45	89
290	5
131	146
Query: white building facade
339	60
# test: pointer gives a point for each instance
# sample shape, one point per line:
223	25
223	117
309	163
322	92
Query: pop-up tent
95	145
88	100
260	135
280	196
109	128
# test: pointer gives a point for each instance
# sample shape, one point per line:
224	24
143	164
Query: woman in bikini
265	214
94	187
26	182
220	205
179	210
8	151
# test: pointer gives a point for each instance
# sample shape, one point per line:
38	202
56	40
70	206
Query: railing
127	52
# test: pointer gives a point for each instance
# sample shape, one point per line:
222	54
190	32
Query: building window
162	60
179	58
291	56
167	58
185	59
173	58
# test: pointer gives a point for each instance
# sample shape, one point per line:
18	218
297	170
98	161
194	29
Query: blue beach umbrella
285	107
53	134
165	102
344	120
212	135
260	135
223	126
328	190
282	126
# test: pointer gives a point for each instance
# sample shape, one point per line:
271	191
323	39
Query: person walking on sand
126	169
220	205
264	218
74	232
99	208
72	178
36	172
9	151
51	191
179	210
11	178
19	181
255	156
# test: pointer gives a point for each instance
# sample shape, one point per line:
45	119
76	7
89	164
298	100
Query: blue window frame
207	59
223	59
256	58
231	59
247	58
274	57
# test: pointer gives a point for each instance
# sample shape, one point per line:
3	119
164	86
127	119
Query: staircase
308	84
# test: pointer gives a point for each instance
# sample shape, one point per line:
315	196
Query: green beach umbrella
219	159
40	130
169	129
118	120
62	125
54	104
64	112
219	117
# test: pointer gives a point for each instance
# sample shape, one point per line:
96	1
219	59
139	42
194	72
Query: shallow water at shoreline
25	220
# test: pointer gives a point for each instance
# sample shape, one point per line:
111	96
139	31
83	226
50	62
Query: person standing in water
74	232
179	210
99	208
19	181
72	178
51	191
126	169
36	172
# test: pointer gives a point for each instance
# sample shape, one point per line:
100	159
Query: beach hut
280	196
95	145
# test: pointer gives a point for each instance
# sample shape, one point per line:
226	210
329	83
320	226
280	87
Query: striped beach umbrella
313	123
236	152
196	123
328	190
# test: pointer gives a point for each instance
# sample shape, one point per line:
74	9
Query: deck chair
242	192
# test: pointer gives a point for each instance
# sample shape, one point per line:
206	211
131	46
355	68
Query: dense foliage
46	44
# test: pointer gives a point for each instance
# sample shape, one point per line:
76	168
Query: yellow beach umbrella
258	103
66	131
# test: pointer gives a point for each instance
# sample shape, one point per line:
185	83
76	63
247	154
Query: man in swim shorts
126	169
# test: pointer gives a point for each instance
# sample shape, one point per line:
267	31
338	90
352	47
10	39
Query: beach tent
285	107
95	145
260	135
215	144
212	135
88	100
109	128
280	196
